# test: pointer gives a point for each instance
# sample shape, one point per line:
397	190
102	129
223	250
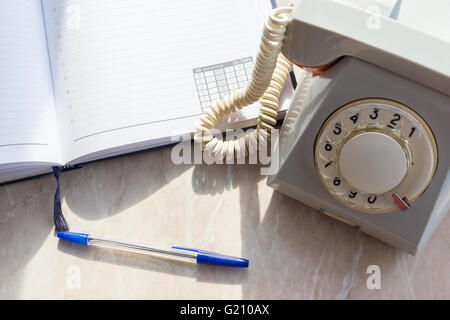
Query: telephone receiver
370	145
365	139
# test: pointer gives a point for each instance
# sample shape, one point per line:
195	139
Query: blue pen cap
80	238
207	257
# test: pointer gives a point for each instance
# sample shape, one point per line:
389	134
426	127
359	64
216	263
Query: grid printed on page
219	80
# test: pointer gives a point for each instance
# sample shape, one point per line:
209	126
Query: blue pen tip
206	257
243	263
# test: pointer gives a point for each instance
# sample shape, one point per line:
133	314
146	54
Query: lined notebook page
124	69
27	114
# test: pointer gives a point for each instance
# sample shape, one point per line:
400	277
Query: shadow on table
26	208
294	251
25	224
119	183
86	191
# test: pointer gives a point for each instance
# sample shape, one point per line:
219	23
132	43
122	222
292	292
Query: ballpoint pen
177	253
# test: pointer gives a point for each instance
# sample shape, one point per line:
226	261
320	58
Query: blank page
27	114
137	70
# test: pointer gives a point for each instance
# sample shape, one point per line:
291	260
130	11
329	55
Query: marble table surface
295	252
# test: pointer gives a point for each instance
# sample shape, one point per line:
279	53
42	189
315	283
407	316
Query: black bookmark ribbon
60	221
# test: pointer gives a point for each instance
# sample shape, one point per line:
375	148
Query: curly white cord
268	79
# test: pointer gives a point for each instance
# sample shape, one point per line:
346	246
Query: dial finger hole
328	168
327	150
337	184
355	197
395	120
371	114
373	201
336	132
411	132
352	119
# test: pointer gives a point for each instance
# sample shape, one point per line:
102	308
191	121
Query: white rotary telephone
366	139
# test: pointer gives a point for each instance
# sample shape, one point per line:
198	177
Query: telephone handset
367	144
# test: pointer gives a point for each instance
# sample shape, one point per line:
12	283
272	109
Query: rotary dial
375	155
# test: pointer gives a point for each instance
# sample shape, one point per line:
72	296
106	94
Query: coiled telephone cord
269	76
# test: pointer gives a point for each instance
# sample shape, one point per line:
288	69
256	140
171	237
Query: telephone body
370	146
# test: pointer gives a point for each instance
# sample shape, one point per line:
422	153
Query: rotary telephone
365	139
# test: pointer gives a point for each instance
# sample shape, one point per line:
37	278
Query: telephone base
350	80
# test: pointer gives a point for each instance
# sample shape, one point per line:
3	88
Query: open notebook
82	80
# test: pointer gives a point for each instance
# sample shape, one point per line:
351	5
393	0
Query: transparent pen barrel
136	248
